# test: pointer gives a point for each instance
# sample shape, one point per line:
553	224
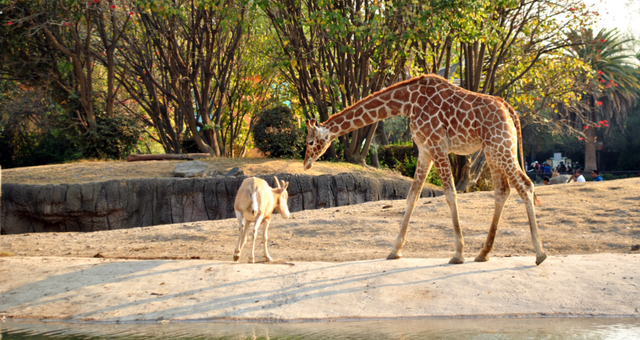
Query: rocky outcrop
119	204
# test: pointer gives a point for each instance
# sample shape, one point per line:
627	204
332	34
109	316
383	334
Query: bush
113	138
393	156
276	133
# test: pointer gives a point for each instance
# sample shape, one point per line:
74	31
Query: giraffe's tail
516	122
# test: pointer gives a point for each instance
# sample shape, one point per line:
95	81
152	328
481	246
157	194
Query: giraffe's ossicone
444	119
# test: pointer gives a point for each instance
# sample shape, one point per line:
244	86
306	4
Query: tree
338	52
490	46
612	91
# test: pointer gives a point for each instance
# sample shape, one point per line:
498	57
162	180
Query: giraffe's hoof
394	256
455	260
481	258
540	259
268	258
236	258
252	260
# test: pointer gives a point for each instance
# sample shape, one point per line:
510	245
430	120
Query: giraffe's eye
311	143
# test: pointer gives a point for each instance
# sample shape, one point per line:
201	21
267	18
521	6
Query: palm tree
614	86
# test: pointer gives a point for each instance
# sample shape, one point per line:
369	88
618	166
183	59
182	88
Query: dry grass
95	171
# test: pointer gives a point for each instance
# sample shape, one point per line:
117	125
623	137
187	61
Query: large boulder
191	169
119	204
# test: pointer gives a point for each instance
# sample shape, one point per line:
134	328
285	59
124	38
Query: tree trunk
590	161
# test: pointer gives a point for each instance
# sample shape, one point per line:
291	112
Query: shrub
113	138
393	156
276	133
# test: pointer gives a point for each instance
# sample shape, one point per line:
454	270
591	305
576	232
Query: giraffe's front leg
441	160
422	170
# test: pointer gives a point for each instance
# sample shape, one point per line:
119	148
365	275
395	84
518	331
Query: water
458	329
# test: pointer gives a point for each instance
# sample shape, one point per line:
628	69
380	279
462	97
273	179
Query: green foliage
277	134
113	138
393	156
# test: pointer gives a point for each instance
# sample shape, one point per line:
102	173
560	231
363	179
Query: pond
458	329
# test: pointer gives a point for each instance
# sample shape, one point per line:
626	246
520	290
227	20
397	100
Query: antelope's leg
422	171
502	192
255	235
265	238
241	234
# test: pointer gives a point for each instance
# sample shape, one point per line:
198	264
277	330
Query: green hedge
394	156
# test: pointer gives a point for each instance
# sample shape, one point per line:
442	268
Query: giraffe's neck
376	107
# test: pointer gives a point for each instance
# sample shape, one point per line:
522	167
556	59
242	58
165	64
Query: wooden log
160	157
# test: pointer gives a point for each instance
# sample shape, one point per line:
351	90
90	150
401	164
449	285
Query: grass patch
5	254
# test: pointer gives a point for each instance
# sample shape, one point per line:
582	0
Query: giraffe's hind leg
502	192
524	186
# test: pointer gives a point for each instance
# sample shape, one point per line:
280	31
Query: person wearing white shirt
578	176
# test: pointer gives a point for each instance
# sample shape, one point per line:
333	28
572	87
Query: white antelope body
255	202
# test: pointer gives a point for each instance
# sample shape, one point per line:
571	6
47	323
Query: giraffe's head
318	141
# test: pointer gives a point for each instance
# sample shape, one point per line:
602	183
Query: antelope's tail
254	203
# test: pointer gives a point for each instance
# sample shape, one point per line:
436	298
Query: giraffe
444	119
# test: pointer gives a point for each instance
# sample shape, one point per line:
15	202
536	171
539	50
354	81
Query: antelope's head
318	141
283	196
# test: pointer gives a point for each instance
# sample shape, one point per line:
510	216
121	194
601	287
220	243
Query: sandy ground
85	289
584	218
327	263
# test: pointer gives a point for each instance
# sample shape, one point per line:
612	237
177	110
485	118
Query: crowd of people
573	169
545	168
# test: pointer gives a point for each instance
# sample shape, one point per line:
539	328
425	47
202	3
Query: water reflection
466	329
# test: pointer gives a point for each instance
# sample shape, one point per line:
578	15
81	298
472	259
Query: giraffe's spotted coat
444	119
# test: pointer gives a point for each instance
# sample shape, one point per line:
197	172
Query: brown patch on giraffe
349	115
430	91
338	120
422	100
401	95
334	129
437	100
394	105
385	96
382	113
414	97
414	87
446	92
464	106
358	122
345	126
373	104
406	109
367	119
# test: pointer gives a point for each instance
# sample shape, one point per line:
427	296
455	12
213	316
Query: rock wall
119	204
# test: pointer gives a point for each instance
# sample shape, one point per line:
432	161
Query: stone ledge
121	204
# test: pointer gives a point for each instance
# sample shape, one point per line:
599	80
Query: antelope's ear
286	185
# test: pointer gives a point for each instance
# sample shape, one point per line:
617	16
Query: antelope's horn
277	183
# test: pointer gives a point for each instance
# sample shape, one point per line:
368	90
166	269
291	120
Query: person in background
547	168
569	167
562	167
546	181
596	176
577	177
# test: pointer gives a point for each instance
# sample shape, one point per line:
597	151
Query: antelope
255	202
